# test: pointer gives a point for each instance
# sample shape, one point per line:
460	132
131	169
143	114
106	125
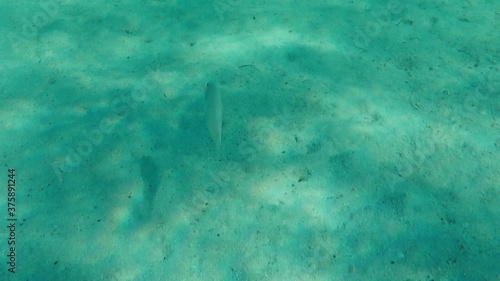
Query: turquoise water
359	140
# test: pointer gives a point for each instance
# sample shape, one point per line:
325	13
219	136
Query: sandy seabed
360	140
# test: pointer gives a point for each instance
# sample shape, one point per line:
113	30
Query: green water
360	140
